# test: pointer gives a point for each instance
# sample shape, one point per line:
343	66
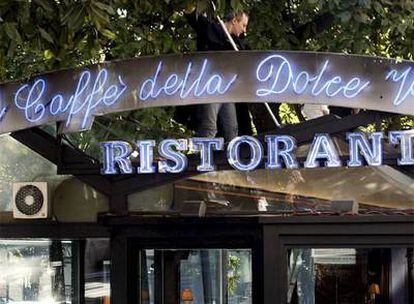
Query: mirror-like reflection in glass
350	275
97	271
327	191
36	271
202	276
49	271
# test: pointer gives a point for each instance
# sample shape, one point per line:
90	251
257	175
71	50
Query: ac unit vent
30	200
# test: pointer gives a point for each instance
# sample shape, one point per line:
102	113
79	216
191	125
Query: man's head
236	23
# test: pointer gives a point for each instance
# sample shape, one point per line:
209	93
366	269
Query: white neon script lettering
33	109
3	108
406	80
278	75
3	113
203	84
90	93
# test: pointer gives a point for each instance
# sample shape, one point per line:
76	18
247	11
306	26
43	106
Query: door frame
269	237
325	232
129	236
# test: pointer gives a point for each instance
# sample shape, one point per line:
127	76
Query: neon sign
174	84
3	110
293	77
279	74
90	92
3	113
280	152
406	81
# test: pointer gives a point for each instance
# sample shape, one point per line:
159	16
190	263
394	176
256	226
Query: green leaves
79	14
41	35
345	16
45	35
103	7
98	14
74	18
48	6
12	32
107	33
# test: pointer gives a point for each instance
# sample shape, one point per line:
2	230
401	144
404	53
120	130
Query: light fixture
373	291
187	296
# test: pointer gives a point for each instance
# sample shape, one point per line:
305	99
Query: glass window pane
383	190
20	164
190	276
349	275
35	271
47	271
97	271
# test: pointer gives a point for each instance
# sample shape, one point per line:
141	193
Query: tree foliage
42	35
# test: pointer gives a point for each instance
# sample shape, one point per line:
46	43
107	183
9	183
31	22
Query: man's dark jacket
210	34
211	37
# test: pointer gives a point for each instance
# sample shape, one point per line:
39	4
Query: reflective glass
349	275
97	271
36	271
190	276
329	191
20	164
48	271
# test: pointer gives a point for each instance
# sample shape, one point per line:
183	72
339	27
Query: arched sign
74	97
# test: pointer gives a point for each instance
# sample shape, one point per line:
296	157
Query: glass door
190	276
350	275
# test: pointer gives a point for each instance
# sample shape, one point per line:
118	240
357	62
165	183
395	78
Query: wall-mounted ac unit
30	200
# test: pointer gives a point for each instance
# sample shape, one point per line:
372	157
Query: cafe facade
320	211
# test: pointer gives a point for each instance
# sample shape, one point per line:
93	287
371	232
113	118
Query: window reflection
192	276
97	271
48	271
349	275
19	163
35	271
380	190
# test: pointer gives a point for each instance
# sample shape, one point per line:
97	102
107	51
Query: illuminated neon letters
246	153
406	82
278	75
205	146
335	80
406	140
3	113
90	93
204	84
3	107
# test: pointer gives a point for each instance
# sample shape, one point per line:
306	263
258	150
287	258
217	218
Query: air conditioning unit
30	200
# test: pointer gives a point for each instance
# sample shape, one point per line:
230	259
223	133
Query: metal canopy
70	160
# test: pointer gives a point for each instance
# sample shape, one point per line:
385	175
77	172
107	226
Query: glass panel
20	164
330	191
156	199
35	271
97	271
47	271
187	276
350	276
150	123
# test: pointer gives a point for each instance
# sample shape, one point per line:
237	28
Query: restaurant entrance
191	260
263	260
220	260
195	276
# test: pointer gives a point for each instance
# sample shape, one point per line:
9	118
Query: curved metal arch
75	96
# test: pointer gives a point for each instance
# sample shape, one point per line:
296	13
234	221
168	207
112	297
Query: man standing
218	118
